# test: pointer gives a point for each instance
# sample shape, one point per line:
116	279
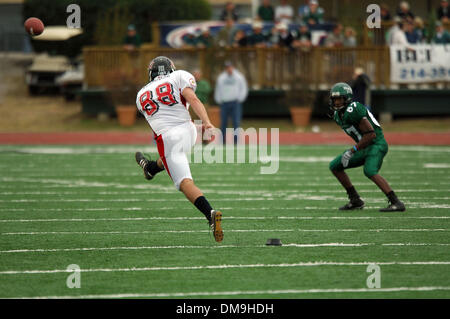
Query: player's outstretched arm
197	106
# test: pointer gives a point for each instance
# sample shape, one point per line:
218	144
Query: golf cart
55	72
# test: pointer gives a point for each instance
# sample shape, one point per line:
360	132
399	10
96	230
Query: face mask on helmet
337	102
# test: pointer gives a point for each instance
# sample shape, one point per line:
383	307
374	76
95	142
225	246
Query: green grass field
91	206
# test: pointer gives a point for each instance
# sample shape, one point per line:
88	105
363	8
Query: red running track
286	138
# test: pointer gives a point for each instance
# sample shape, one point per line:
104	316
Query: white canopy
58	33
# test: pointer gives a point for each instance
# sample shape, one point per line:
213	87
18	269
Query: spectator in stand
225	37
240	39
285	38
205	40
398	35
203	90
132	40
404	12
302	39
393	29
349	37
229	12
257	38
284	13
385	13
335	38
190	40
421	31
443	12
272	38
266	11
411	34
303	9
441	36
313	14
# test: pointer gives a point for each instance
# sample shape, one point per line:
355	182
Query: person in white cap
313	14
404	11
285	38
258	38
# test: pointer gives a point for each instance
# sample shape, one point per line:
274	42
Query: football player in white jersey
164	102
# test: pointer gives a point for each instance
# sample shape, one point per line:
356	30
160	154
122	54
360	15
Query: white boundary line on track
244	292
228	231
284	265
50	250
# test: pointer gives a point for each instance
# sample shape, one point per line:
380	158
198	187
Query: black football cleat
143	162
216	225
398	206
353	204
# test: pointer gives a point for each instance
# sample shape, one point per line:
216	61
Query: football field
90	206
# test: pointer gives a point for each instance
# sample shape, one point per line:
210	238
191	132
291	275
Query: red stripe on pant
160	145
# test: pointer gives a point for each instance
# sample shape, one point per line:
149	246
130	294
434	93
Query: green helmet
341	90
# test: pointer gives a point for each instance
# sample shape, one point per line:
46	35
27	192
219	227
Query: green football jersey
353	115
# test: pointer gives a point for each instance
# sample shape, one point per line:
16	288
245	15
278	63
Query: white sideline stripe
222	192
117	248
214	247
436	165
148	232
151	209
284	265
243	292
228	231
82	150
90	149
227	217
83	183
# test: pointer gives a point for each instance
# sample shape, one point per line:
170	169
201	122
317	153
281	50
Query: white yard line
228	231
283	265
245	292
153	209
318	245
221	192
73	183
227	217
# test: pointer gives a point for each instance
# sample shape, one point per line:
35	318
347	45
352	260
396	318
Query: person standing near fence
230	92
360	85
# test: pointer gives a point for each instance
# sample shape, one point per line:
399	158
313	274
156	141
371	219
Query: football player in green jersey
370	148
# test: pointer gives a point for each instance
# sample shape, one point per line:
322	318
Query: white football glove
346	157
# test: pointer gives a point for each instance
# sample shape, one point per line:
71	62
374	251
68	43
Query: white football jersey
161	101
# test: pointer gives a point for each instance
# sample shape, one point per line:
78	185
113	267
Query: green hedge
142	12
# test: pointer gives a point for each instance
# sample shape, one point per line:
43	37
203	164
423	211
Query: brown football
34	26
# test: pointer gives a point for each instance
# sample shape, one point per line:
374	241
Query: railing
263	68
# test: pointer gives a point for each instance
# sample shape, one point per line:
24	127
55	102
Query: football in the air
34	26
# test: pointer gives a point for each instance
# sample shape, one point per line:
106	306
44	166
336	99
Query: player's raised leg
150	168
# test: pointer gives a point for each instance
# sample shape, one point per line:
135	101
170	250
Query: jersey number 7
164	95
